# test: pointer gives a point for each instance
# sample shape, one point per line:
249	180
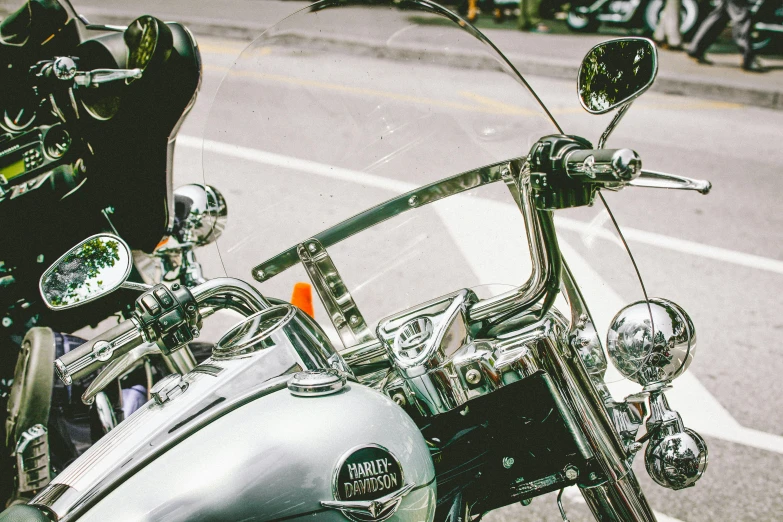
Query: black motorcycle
586	16
88	119
767	28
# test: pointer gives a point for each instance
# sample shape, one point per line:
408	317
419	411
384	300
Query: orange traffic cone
302	297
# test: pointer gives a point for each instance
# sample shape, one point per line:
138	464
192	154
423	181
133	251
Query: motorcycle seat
23	513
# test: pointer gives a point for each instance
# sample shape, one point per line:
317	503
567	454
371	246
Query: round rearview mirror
93	268
616	72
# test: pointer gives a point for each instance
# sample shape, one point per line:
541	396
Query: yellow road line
483	104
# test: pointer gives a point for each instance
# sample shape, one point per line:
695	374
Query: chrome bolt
593	476
413	200
260	274
526	501
7	321
311	247
354	320
508	462
473	376
571	472
399	399
195	331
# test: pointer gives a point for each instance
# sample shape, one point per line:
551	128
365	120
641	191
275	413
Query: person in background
739	13
530	18
667	33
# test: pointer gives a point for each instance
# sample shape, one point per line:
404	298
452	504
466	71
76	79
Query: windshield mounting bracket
334	294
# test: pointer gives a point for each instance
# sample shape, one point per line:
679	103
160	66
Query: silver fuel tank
266	429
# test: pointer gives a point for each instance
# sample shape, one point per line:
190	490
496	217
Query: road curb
528	65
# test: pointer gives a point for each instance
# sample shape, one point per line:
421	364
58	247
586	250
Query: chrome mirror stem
615	121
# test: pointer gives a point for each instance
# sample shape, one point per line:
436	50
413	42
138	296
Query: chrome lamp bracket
334	294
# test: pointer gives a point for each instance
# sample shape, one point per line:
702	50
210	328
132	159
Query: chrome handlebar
96	352
129	334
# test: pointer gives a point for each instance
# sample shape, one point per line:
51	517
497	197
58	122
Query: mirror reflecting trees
91	269
616	72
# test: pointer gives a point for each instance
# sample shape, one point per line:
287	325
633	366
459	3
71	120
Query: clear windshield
346	105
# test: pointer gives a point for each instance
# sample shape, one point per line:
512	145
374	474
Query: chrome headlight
651	352
206	214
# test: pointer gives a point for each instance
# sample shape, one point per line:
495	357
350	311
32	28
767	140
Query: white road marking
700	409
682	245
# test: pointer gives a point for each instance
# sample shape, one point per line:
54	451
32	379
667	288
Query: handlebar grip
98	351
603	165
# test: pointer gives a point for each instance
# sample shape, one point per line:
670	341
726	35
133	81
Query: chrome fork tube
619	497
618	501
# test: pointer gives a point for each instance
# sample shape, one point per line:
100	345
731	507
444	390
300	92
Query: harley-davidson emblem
368	484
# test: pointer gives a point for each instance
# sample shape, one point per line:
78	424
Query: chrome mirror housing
615	72
202	214
651	353
95	267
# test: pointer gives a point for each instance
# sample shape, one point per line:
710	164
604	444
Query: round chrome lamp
678	460
651	342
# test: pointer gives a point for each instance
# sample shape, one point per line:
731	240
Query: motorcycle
767	19
72	91
461	368
586	17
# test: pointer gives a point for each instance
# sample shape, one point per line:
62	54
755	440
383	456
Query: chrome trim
376	510
621	500
99	76
359	508
316	383
180	360
168	388
153	429
230	287
117	368
653	179
335	296
131	285
54	266
614	123
588	407
105	412
631	98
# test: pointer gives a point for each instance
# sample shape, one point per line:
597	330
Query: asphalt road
696	250
719	256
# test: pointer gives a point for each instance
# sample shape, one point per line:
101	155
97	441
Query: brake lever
117	368
653	179
65	68
99	76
